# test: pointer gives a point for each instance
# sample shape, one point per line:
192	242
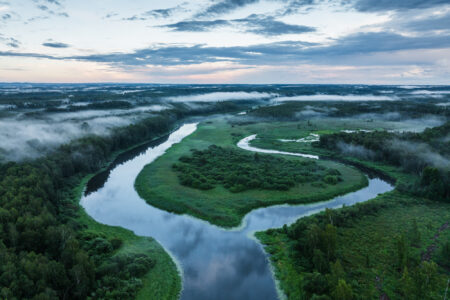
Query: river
216	263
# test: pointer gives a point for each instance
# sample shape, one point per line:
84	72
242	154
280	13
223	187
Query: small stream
216	263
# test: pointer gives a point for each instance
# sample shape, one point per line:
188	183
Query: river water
216	263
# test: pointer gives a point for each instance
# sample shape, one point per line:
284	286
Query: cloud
385	5
134	18
257	24
110	15
11	42
434	22
373	42
55	45
51	7
162	13
51	2
153	14
223	7
267	25
294	6
54	2
43	7
197	26
285	52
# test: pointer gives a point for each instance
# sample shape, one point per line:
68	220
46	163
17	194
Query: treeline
311	244
426	154
94	105
238	171
387	109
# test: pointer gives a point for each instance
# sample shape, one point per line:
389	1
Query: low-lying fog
35	118
23	136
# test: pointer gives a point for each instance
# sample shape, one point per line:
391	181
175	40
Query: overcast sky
226	41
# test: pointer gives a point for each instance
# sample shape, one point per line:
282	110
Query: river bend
216	263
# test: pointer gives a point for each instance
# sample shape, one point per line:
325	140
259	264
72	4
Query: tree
336	273
407	285
328	238
415	233
319	261
402	252
329	213
314	284
343	291
313	237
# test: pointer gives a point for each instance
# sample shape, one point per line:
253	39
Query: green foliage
290	110
444	254
44	252
343	291
238	171
379	249
425	154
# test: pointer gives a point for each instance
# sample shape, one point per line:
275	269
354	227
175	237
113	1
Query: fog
410	150
355	150
325	97
24	137
222	96
403	122
428	92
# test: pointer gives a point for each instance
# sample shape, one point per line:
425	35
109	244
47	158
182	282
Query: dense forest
388	110
423	154
329	256
44	251
238	171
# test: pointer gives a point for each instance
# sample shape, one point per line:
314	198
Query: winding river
216	263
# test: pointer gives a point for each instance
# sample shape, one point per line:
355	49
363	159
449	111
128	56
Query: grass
159	185
163	281
269	139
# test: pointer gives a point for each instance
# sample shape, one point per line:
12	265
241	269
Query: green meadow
159	184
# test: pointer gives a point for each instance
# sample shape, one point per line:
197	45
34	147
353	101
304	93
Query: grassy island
220	199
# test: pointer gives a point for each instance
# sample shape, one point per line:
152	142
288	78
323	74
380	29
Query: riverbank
159	185
163	281
366	246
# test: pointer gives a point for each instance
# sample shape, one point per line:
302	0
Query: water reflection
216	263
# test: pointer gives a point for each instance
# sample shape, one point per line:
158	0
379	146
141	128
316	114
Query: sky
226	41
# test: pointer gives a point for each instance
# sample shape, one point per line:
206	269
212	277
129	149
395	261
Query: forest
395	246
45	252
362	251
238	171
386	110
422	154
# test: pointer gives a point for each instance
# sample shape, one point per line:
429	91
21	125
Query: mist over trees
426	154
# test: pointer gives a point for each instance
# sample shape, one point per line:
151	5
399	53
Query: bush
238	171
